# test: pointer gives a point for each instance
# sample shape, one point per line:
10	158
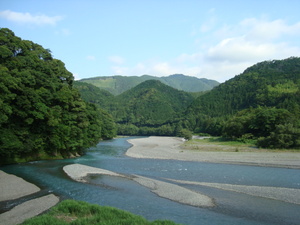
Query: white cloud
268	30
27	18
116	59
250	41
230	50
238	49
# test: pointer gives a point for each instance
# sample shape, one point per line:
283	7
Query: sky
206	39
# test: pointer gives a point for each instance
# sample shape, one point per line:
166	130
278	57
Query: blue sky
207	39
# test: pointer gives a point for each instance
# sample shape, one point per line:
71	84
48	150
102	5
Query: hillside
150	108
93	94
270	83
119	84
151	103
262	104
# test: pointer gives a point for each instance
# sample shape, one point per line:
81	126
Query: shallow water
232	207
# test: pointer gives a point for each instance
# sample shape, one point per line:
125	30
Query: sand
290	195
13	187
28	209
163	189
169	148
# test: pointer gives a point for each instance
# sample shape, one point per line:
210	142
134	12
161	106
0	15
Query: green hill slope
271	83
93	94
263	104
151	103
119	84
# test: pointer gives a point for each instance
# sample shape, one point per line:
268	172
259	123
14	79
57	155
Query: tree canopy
263	103
41	112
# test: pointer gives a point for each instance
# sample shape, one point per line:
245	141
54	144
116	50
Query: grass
82	213
222	141
218	144
223	144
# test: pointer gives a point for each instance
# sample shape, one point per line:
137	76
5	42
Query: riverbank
172	148
12	188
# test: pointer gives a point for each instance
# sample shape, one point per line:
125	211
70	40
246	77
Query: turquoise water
232	207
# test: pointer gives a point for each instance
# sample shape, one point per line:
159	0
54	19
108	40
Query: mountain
261	104
270	83
118	84
152	103
93	94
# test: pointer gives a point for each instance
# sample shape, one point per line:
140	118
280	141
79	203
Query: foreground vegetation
77	212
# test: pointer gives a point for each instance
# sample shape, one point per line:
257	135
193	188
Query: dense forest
42	114
261	104
150	108
119	84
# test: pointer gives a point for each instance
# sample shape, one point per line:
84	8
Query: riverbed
231	207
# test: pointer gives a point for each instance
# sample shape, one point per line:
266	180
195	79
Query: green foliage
119	84
274	128
151	108
79	212
40	110
186	134
151	103
284	136
253	105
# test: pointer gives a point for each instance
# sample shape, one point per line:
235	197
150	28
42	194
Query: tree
40	110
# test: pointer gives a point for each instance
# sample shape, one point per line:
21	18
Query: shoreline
12	188
155	147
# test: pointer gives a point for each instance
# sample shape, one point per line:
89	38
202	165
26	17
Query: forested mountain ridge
269	83
41	114
152	103
262	103
119	84
93	94
150	108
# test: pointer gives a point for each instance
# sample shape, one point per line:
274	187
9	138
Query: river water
231	207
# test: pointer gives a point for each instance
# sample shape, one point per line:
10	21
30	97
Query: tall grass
82	213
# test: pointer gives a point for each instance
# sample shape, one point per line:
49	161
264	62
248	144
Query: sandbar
170	148
163	189
28	209
13	187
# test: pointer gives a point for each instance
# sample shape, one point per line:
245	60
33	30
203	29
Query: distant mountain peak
118	84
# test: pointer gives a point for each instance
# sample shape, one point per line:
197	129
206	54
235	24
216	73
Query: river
231	207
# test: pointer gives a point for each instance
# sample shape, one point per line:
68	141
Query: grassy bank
78	212
218	144
223	144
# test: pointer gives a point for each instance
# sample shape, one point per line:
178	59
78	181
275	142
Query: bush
82	213
284	136
186	134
